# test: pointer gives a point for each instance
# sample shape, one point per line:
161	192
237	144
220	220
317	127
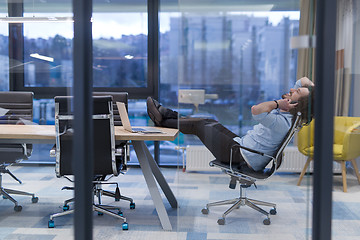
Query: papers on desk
147	130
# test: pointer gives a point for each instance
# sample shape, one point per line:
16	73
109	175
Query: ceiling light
35	19
41	57
128	56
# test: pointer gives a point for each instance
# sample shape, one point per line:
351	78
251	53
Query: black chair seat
243	170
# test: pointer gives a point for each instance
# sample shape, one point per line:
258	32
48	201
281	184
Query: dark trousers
216	138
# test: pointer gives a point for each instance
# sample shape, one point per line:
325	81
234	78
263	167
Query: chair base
242	201
100	208
5	192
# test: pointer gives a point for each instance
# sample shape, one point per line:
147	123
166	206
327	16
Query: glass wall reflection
231	57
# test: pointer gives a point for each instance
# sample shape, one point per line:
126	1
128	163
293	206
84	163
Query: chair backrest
305	138
249	174
288	137
20	107
19	104
346	138
104	138
117	97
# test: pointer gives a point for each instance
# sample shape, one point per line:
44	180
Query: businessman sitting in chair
274	117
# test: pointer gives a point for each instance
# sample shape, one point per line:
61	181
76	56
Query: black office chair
247	177
108	161
20	111
122	146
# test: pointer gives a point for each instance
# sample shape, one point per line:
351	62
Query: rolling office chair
20	110
345	147
107	159
118	97
247	177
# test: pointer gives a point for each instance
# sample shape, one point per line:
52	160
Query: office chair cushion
244	170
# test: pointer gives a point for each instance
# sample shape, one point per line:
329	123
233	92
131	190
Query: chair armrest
53	151
252	150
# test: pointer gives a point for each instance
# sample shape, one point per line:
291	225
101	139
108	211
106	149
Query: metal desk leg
161	180
141	149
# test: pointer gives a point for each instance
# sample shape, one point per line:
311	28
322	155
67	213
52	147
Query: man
274	117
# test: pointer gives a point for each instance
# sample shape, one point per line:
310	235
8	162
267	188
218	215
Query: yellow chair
346	144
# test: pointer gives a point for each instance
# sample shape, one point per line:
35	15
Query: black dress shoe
153	111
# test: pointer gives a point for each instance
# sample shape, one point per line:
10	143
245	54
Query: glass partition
218	60
346	180
231	57
36	50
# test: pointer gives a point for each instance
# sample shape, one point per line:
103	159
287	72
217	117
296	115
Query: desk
46	134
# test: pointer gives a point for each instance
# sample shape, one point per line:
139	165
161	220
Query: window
120	55
239	58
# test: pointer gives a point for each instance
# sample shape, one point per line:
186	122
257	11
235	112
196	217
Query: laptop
126	122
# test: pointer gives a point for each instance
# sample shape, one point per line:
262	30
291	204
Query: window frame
17	75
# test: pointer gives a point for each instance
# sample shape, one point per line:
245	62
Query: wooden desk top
27	132
47	132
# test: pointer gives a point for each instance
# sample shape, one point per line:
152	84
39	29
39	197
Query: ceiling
50	6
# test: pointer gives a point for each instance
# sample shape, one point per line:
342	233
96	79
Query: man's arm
282	104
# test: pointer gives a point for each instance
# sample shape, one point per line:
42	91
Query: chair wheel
120	213
4	197
132	205
66	207
205	211
18	208
266	221
221	221
125	226
100	213
273	211
34	199
51	224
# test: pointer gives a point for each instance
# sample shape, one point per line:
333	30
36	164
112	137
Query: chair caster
34	199
4	197
100	213
205	211
66	207
221	221
273	211
51	224
18	208
125	226
132	205
120	213
266	221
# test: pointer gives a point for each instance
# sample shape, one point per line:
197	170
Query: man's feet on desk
158	113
